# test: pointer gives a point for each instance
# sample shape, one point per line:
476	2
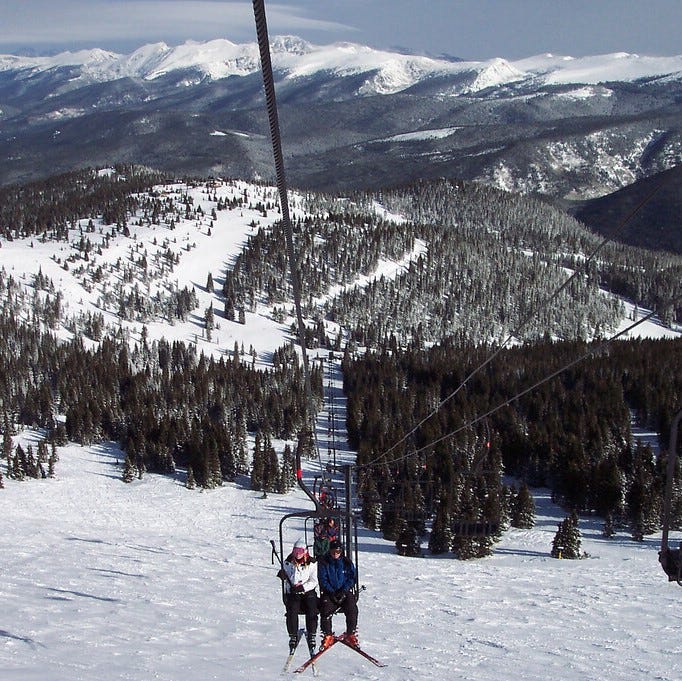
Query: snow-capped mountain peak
391	71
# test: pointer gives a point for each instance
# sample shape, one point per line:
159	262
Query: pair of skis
337	639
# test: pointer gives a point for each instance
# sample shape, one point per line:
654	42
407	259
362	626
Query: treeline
571	433
163	402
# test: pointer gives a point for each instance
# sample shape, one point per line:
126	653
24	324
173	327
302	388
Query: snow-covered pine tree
287	472
643	498
257	463
609	529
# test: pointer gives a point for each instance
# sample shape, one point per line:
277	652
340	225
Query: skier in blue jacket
336	574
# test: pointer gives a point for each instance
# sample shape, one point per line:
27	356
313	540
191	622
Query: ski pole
281	565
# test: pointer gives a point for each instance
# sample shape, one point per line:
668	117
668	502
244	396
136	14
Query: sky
469	29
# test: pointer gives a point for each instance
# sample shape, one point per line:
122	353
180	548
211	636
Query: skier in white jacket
299	575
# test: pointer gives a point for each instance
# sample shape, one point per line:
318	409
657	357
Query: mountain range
568	128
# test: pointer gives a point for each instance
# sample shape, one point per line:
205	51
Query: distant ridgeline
571	434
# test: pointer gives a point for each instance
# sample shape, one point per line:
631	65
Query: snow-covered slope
96	269
104	581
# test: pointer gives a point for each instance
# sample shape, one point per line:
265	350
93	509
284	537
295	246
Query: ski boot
352	639
327	640
310	640
293	642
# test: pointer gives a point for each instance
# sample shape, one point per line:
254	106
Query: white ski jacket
300	573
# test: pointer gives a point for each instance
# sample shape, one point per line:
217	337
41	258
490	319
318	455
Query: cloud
108	22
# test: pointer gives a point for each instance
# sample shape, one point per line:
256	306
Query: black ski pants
348	606
302	604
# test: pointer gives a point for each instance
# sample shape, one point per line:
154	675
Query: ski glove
339	596
299	588
282	575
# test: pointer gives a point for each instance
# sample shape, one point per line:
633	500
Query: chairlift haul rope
271	102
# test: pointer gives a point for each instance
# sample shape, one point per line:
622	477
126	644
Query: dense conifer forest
571	433
163	402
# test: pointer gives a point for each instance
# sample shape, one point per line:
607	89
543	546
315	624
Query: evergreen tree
241	449
7	446
215	475
191	483
130	471
271	472
51	464
287	473
408	541
257	463
609	529
440	539
31	463
228	464
371	503
567	540
643	498
523	509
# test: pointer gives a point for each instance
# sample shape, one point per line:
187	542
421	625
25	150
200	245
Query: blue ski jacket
336	574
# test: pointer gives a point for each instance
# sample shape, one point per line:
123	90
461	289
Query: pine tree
19	464
609	529
407	539
191	482
287	472
228	464
643	498
7	445
271	473
241	449
440	540
523	509
51	464
130	471
257	463
567	540
215	474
